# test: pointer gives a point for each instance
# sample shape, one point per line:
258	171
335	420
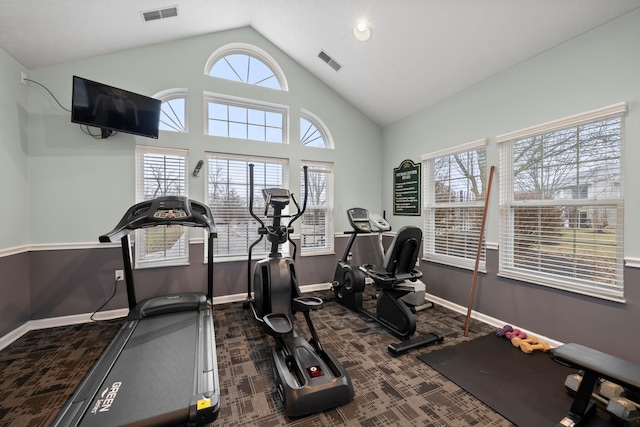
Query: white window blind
561	204
228	196
161	172
316	230
454	192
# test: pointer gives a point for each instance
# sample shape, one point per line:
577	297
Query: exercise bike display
394	279
309	378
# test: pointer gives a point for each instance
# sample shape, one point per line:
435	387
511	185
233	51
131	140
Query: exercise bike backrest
402	255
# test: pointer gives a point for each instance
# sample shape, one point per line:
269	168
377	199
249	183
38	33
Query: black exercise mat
527	389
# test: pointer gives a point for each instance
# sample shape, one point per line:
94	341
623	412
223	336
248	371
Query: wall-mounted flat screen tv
114	110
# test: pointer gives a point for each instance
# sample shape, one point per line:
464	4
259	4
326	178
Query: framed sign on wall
406	188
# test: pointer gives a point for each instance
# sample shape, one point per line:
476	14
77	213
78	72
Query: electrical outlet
119	275
23	76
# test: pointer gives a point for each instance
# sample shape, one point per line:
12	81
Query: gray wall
14	288
597	69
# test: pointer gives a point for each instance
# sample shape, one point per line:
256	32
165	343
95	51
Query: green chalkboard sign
406	189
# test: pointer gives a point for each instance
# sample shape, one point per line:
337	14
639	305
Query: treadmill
161	368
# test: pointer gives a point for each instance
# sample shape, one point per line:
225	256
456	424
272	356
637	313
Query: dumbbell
624	410
501	331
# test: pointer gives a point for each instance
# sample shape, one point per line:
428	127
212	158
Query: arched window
247	64
313	133
173	111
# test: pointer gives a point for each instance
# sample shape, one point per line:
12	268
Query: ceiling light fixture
362	31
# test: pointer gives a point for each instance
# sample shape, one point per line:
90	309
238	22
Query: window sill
458	263
573	287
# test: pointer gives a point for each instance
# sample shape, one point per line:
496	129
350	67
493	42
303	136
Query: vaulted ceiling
420	51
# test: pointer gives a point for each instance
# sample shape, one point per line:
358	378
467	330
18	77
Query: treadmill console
359	220
164	210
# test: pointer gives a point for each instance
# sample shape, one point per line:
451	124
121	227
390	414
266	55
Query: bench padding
619	371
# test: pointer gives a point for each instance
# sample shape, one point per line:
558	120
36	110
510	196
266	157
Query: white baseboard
13	335
75	319
488	319
53	322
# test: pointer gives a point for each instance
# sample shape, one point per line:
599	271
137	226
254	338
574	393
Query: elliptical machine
309	378
395	279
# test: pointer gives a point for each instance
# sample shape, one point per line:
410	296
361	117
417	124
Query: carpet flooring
39	372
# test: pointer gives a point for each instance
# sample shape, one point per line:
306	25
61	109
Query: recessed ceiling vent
152	15
329	60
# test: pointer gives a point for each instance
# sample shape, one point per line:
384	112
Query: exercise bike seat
277	324
399	260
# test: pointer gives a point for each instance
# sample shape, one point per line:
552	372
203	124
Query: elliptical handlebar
300	212
306	193
257	218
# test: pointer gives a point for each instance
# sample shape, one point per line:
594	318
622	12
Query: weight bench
595	365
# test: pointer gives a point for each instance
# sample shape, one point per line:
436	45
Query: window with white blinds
161	172
228	196
561	203
454	192
316	228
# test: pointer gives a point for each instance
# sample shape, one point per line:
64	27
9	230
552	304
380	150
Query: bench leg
582	404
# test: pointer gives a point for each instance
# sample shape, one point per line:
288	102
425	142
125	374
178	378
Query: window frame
319	126
431	206
251	51
169	95
328	169
509	203
141	235
249	104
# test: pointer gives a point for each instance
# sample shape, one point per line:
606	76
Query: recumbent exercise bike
309	378
393	280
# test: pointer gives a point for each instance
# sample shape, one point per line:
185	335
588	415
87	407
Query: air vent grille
152	15
329	60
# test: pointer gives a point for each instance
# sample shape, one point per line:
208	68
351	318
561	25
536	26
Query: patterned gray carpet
39	372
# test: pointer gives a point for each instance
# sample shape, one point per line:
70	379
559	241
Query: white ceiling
421	51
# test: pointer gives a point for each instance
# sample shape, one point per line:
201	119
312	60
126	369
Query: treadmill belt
152	382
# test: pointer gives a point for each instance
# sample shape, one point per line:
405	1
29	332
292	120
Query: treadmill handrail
140	215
